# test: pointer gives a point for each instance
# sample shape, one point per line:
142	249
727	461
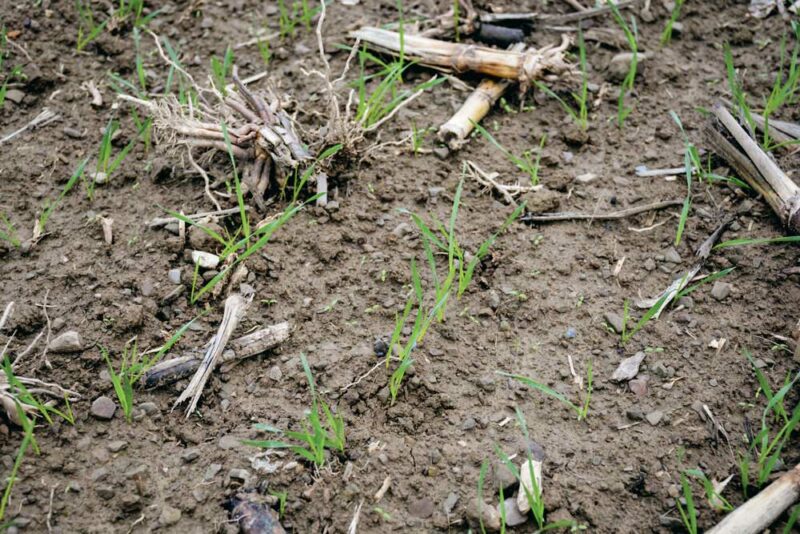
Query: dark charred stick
500	35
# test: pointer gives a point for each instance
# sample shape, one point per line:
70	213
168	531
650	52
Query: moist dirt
340	275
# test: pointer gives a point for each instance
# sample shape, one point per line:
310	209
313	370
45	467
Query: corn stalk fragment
474	109
728	139
524	67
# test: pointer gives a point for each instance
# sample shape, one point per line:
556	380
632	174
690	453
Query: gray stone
149	408
240	476
513	516
721	290
190	455
212	471
422	508
69	341
15	96
116	446
441	152
275	373
671	255
169	515
103	408
614	321
206	260
634	414
174	276
654	417
639	386
628	368
469	424
450	503
105	492
229	442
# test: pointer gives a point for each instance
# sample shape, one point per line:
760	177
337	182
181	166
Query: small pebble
654	417
174	276
69	341
721	290
103	408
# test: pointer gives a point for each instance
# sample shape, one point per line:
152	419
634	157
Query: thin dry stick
42	119
235	308
571	216
6	314
509	18
509	192
762	510
474	109
47	339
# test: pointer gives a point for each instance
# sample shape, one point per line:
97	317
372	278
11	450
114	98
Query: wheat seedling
315	438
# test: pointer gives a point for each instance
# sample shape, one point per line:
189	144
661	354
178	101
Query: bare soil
340	276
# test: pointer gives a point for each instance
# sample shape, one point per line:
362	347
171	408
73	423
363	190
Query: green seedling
265	52
133	366
458	269
221	69
299	180
793	517
286	19
758	241
785	85
135	9
28	440
715	500
626	334
10	233
739	97
15	74
666	35
710	278
186	93
481	503
764	449
689	513
50	206
581	411
376	107
315	438
88	29
237	184
457	19
524	163
418	137
580	114
631	35
106	166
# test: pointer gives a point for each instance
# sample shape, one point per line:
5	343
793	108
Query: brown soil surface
340	276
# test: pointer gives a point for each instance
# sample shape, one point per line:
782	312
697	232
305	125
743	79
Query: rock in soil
529	467
169	516
486	514
103	408
654	417
69	341
513	516
721	290
614	321
639	386
542	201
628	368
422	508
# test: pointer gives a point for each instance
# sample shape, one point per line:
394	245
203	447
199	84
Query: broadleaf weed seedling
631	35
315	438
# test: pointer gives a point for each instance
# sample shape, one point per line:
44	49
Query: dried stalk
235	307
755	167
524	66
240	348
474	109
621	214
510	18
762	510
